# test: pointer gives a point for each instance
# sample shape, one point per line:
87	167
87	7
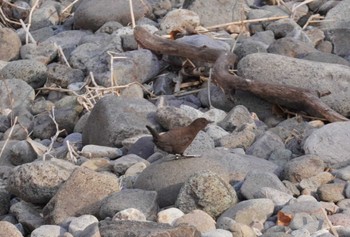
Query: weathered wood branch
290	96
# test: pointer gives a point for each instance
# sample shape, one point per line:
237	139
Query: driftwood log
289	96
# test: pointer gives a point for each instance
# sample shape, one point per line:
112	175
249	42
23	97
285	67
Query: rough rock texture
143	229
114	119
194	194
330	143
30	71
8	229
9	44
88	186
92	14
37	182
301	73
167	177
145	201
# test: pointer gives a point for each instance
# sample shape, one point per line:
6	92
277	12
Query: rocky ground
76	93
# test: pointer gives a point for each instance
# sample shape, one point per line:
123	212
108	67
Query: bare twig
333	230
30	16
246	21
60	51
28	34
132	14
54	138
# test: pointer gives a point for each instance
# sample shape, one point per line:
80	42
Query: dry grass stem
28	34
9	136
246	21
132	14
331	227
54	138
61	53
36	3
69	6
6	19
72	155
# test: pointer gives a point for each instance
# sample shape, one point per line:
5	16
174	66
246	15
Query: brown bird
178	139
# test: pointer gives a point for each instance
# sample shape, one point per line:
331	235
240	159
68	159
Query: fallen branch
290	96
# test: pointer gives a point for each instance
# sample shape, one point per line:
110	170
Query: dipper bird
176	140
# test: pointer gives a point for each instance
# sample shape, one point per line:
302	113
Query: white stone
169	215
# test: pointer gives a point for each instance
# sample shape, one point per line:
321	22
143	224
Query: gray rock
125	162
142	229
92	56
280	157
265	145
217	233
93	14
279	198
333	150
179	19
197	218
30	71
45	15
40	105
167	177
195	194
312	208
114	119
315	35
241	139
39	35
144	201
5	156
109	27
303	167
220	11
143	147
67	111
216	132
325	46
22	152
287	28
340	46
27	214
78	225
326	58
67	40
343	173
255	180
236	228
236	118
9	44
314	182
49	231
266	37
37	182
70	199
44	127
43	53
62	75
250	211
332	192
218	98
5	198
9	88
171	117
310	75
339	15
290	47
137	66
200	145
8	229
93	151
248	47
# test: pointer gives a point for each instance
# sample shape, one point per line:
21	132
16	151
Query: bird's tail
154	133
